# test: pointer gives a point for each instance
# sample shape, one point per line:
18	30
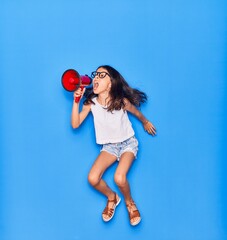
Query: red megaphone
71	81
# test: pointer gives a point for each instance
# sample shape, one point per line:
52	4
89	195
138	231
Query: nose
95	79
97	75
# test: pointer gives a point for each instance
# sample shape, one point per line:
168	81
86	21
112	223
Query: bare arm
78	117
148	126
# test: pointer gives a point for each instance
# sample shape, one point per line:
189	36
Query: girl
109	101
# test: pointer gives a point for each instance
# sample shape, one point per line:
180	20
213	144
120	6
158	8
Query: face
101	81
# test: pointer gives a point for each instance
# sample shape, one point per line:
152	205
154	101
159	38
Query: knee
93	179
120	179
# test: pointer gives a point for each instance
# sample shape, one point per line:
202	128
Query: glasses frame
95	73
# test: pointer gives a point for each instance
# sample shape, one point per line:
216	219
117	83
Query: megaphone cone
71	81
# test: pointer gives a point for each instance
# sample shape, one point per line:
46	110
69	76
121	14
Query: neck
103	99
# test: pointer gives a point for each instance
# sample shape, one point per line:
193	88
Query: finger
83	91
77	95
151	131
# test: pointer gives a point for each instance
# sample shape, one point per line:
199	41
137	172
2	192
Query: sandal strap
132	213
130	204
114	200
108	210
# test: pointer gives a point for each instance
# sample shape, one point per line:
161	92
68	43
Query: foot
109	210
134	215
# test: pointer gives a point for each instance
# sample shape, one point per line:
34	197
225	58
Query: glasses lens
102	74
93	74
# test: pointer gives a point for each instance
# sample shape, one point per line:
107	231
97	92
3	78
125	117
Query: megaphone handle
77	99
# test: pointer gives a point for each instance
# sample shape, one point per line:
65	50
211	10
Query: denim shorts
117	149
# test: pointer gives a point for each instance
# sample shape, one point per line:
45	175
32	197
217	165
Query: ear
109	86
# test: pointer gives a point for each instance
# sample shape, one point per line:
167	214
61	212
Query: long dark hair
119	90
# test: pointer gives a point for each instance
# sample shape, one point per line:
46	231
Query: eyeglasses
100	74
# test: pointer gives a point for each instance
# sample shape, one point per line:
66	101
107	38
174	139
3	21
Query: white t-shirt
110	127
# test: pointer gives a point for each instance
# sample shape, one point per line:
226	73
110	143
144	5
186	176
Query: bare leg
103	161
121	180
121	172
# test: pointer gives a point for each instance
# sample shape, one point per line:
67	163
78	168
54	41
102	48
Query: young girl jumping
109	101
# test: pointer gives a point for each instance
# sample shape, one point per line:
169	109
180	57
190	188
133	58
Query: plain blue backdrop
175	51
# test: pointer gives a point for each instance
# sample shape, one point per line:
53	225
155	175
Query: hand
79	93
149	127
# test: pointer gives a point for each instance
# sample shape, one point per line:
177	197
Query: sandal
108	212
133	213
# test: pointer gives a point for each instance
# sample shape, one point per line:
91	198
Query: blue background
175	51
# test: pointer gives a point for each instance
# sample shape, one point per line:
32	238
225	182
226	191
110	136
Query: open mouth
95	85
